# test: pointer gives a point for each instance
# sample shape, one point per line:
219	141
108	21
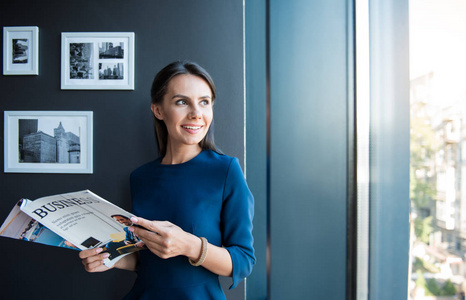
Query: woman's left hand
165	239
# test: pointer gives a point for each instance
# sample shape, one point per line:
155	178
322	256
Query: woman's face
186	110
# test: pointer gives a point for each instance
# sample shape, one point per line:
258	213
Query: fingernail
106	255
134	219
131	229
98	250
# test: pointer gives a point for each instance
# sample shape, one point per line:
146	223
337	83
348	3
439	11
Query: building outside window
438	149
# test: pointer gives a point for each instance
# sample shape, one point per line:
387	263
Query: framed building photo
48	142
21	50
97	60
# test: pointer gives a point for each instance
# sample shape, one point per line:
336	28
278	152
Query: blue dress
206	196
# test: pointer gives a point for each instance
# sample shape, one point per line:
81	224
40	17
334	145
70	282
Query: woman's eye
180	102
205	102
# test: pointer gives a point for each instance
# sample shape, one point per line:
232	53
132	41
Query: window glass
438	149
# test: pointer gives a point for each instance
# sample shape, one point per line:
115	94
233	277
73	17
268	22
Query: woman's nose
195	113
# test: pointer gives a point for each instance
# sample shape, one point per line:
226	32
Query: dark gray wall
209	32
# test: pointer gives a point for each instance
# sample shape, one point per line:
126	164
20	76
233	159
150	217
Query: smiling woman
186	110
160	87
193	205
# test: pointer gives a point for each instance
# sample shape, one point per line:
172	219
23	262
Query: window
438	159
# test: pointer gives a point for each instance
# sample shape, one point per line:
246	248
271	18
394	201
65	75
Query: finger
151	244
91	259
70	244
93	266
151	240
89	252
155	226
159	250
96	266
158	245
143	233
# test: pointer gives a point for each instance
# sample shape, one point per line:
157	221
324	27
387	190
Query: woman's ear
156	111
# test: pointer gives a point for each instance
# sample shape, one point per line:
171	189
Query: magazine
80	220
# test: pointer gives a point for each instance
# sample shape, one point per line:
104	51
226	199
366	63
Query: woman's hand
165	239
93	260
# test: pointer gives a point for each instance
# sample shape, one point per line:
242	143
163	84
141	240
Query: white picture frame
21	50
97	61
48	142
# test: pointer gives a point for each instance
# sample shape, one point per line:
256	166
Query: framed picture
21	50
48	142
97	60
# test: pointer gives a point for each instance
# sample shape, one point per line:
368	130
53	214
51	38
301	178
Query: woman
200	195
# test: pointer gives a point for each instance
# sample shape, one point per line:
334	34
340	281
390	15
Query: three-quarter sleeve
236	222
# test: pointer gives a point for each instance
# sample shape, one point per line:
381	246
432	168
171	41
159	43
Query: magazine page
19	225
87	221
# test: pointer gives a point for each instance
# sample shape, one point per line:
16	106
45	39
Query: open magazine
79	220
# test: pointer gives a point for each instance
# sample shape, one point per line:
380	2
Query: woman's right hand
93	260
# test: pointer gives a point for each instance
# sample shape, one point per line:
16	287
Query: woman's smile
192	128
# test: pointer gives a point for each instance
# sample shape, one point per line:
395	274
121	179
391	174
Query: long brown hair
158	91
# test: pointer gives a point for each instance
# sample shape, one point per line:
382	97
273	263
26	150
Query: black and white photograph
81	57
111	71
97	61
109	50
21	50
48	142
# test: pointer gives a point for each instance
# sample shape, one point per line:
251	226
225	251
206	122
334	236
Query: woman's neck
179	155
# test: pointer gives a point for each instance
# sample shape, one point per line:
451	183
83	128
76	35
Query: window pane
438	149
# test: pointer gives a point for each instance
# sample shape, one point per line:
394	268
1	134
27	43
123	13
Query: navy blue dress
206	196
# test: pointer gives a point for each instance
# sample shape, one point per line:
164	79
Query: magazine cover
19	225
80	219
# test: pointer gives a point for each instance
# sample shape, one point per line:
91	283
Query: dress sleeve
236	222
